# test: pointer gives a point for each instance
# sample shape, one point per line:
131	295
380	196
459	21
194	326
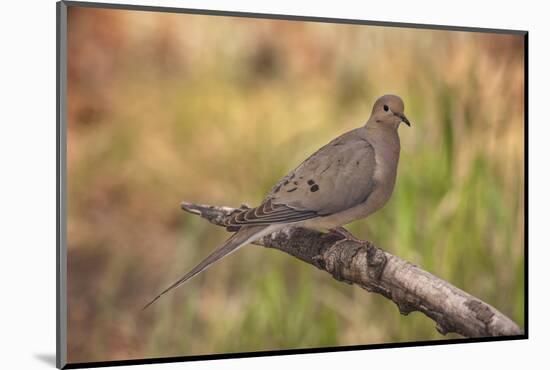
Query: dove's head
388	111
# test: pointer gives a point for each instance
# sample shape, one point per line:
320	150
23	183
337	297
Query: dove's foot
376	258
346	234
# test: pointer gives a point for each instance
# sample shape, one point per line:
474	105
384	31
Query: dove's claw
346	234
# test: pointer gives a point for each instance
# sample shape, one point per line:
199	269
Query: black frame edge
61	164
526	182
222	356
287	17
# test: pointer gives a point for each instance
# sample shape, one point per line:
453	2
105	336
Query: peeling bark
377	271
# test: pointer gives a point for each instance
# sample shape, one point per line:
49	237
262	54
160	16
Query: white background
27	165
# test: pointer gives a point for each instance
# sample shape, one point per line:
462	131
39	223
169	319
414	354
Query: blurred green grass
165	108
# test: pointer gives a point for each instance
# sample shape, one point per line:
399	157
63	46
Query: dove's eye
386	108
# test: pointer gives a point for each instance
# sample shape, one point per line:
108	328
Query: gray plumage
348	179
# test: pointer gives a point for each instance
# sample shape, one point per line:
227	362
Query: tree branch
375	270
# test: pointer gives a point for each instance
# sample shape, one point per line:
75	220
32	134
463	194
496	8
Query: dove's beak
403	118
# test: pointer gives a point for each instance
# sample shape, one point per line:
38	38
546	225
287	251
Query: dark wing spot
291	190
292	176
357	163
285	183
295	182
314	188
310	182
276	190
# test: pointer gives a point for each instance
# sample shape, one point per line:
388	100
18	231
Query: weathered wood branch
375	270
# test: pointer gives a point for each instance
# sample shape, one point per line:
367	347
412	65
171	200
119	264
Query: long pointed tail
244	236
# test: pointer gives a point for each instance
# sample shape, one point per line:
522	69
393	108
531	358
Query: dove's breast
386	156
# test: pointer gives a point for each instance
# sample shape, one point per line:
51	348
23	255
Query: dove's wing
337	177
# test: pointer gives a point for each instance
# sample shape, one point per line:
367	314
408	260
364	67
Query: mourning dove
348	179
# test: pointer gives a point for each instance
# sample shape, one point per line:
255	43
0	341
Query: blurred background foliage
170	107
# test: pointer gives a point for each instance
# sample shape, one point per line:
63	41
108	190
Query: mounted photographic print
235	184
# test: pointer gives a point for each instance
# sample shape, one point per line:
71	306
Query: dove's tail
242	237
